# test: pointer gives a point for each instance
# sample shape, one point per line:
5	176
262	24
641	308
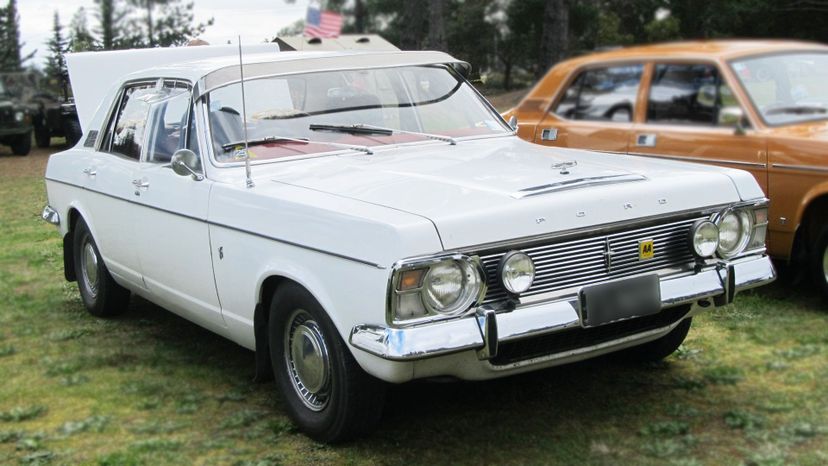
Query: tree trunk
150	34
507	75
359	16
436	39
412	22
555	35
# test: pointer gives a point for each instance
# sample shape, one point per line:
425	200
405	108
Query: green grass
747	387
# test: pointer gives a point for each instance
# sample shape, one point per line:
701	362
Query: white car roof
211	67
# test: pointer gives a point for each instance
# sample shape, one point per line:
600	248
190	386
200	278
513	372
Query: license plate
620	300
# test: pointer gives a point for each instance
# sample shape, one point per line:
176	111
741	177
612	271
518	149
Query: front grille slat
583	261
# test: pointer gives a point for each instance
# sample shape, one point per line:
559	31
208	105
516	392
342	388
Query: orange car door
692	115
595	111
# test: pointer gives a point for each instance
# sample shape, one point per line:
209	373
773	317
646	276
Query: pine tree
80	39
56	62
110	24
10	59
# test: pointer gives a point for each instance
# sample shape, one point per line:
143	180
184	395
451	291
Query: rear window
602	94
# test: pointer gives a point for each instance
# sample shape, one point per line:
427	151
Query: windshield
411	104
786	88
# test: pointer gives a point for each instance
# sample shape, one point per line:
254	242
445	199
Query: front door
596	110
171	218
686	109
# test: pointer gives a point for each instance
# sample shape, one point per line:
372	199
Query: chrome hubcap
825	263
89	263
307	360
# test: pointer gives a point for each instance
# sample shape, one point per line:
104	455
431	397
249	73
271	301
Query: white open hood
92	74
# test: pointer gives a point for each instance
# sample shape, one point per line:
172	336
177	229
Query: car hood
812	131
488	190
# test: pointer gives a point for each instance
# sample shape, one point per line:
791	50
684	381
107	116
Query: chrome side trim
474	332
229	227
50	215
575	184
809	168
701	159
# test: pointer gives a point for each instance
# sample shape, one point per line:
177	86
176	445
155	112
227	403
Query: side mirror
185	162
733	116
513	122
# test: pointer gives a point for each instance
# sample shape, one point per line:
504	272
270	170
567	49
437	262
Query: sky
254	20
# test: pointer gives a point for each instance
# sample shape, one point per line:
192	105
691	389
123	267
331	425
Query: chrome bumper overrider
50	215
486	329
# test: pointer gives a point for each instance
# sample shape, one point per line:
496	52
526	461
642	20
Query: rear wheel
22	145
326	393
659	349
819	265
42	136
99	292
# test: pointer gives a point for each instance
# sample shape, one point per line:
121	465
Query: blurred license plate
619	300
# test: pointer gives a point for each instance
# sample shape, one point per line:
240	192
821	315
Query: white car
368	217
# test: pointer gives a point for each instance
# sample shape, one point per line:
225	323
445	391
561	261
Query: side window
688	94
126	131
602	94
168	114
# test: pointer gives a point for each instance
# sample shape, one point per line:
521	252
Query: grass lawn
750	385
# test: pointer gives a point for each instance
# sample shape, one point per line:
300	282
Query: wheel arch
266	288
812	210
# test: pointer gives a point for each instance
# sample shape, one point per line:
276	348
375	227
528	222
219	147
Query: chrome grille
567	264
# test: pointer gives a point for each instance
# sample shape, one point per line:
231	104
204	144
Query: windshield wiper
270	139
379	130
796	109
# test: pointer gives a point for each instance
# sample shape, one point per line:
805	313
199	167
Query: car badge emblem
564	166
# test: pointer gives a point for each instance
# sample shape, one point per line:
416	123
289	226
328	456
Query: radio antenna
249	178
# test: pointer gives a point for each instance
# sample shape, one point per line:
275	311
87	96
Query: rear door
109	183
595	111
685	104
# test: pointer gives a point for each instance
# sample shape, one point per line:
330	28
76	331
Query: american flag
320	23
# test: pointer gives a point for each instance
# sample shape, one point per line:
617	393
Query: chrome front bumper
483	331
50	215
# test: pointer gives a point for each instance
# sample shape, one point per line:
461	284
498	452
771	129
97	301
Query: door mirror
734	117
185	162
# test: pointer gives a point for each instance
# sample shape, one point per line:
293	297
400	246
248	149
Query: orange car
760	106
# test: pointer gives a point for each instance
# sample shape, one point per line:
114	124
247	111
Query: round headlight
19	116
450	287
704	238
517	272
734	232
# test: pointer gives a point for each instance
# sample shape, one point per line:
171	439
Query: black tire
42	136
819	262
657	350
99	292
341	401
72	131
22	145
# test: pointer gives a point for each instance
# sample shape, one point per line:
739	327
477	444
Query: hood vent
576	184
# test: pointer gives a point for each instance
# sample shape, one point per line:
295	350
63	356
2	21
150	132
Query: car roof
700	49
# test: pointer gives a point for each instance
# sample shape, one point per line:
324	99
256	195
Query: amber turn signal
410	279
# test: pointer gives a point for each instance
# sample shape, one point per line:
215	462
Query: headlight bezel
753	221
470	299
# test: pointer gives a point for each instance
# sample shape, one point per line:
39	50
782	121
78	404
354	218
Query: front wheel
659	349
819	266
99	292
22	145
326	393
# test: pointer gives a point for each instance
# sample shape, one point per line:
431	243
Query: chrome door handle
549	134
645	140
140	183
89	171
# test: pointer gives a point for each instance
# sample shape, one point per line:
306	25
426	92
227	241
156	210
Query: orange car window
688	94
602	94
